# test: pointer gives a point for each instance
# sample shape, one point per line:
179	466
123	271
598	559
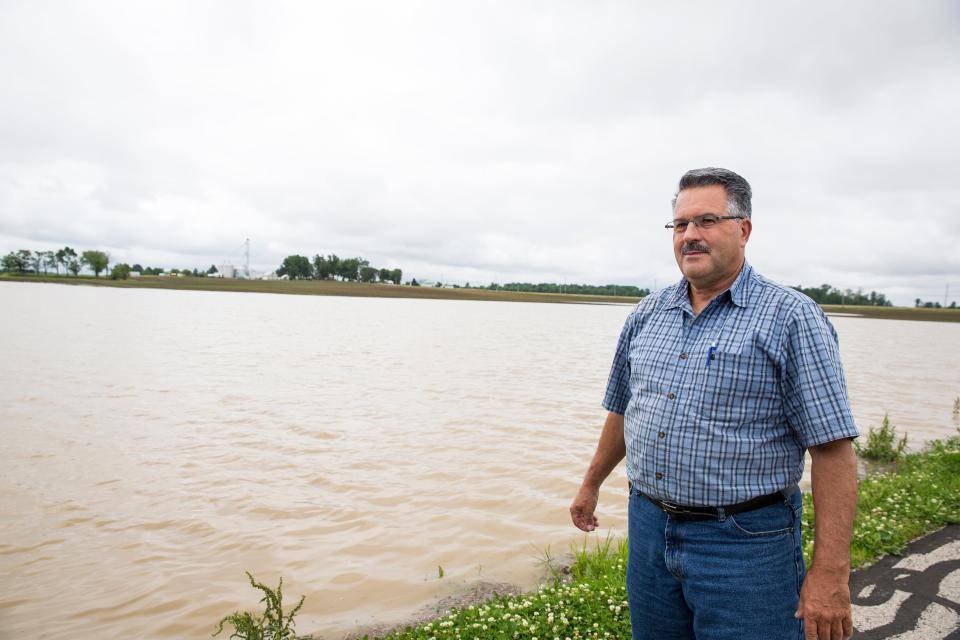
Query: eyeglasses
706	221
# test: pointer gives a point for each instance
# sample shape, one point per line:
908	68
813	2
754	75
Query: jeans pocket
772	521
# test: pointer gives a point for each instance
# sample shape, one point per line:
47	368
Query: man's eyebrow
702	214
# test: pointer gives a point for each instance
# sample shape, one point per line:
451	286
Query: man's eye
680	226
707	221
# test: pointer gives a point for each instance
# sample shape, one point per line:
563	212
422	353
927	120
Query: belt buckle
672	509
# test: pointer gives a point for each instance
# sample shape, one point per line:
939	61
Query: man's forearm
834	478
610	451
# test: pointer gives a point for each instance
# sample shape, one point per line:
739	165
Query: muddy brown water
157	444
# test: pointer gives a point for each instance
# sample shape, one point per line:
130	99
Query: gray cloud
484	142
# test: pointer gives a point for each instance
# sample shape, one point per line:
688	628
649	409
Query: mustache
694	246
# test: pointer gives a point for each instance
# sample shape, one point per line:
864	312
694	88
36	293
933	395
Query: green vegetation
921	494
96	260
315	288
827	294
594	605
897	313
271	625
933	305
331	267
628	291
882	444
120	272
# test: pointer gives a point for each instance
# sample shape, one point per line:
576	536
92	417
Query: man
719	385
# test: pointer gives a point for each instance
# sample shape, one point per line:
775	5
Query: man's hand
825	606
583	507
610	450
825	595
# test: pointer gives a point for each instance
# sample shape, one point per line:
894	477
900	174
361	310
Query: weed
922	494
882	444
272	625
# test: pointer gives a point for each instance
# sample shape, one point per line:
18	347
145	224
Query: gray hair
737	188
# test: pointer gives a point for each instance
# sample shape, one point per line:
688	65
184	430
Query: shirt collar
739	291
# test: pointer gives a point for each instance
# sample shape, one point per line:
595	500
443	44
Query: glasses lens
706	221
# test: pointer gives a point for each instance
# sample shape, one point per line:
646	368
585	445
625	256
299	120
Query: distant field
333	288
322	288
897	313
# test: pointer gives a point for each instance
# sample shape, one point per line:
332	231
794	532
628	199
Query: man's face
708	256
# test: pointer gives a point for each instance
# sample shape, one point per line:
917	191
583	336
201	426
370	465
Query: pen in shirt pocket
711	351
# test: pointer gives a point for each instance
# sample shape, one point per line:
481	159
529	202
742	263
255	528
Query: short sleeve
617	395
814	389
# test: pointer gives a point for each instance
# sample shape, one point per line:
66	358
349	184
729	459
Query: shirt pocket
739	385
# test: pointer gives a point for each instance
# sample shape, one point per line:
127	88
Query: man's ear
746	227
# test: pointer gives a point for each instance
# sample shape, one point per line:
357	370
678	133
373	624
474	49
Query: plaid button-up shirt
720	407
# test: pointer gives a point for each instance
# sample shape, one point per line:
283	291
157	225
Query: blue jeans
732	577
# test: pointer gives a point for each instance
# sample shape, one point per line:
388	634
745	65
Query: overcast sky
485	141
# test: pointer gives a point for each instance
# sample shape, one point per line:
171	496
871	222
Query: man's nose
692	233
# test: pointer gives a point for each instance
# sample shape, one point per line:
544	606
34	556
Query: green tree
368	274
385	275
296	268
49	260
349	269
26	259
98	261
396	275
38	261
14	261
333	265
120	272
325	268
69	259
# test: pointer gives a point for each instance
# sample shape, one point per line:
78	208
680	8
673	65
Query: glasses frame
698	221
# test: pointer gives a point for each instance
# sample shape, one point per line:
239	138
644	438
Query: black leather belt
681	512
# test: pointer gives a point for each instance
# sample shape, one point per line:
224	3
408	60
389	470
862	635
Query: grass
319	288
882	444
896	313
358	289
593	606
920	494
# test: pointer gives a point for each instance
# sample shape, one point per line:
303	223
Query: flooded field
157	444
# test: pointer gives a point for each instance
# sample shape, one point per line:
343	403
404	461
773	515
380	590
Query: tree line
925	304
827	294
24	260
625	290
71	262
332	267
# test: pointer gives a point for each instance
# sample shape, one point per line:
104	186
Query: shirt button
671	396
661	434
683	356
659	476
